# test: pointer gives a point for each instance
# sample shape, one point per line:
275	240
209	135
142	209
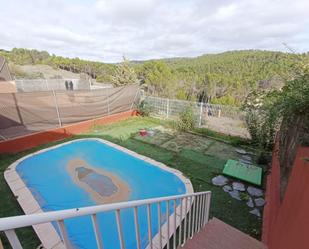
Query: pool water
51	184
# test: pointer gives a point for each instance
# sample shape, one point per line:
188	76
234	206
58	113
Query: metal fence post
46	83
167	107
22	85
108	101
201	112
137	92
57	108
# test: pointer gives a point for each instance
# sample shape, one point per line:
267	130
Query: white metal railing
189	213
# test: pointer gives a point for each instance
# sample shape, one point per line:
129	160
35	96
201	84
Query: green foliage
17	73
158	78
97	70
186	120
261	122
124	74
225	78
266	109
226	100
143	109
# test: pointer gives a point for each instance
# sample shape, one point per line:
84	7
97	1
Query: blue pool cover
52	186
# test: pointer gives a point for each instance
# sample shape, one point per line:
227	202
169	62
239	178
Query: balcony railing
187	214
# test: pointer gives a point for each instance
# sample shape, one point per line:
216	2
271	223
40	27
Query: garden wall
286	223
29	141
286	216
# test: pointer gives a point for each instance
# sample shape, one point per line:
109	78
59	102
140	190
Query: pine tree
124	74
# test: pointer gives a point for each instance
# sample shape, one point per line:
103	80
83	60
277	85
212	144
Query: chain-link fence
37	85
25	113
221	118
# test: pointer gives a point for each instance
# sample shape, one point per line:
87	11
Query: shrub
186	120
144	109
260	119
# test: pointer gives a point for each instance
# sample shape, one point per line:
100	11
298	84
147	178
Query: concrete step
219	235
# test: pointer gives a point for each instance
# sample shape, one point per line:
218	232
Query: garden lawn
200	165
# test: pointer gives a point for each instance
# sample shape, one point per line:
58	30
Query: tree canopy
225	78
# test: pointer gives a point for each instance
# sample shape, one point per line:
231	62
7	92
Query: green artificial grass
198	164
248	173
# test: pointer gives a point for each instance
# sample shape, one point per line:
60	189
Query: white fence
171	108
187	214
38	85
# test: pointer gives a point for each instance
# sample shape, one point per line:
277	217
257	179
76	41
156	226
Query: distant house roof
5	74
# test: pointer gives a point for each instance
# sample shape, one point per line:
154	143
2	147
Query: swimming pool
88	172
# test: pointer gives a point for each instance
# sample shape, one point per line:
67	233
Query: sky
107	30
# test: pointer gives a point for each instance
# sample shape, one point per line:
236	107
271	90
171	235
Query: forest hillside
224	78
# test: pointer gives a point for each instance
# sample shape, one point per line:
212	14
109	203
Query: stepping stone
255	191
227	188
235	194
250	203
241	151
255	212
238	186
259	202
246	158
219	180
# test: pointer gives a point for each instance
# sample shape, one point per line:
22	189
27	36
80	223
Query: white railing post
168	224
190	217
97	231
57	108
137	232
203	210
175	224
193	217
159	224
201	113
207	206
180	221
64	234
119	229
197	212
201	213
185	221
149	225
13	239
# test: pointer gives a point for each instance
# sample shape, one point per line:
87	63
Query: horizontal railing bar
39	218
